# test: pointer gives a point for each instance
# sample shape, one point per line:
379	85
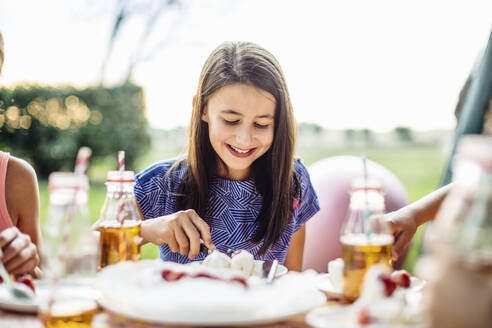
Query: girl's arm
293	261
21	245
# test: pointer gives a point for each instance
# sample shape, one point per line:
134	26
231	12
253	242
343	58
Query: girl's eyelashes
261	126
231	122
257	125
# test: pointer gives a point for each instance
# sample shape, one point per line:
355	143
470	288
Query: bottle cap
359	184
120	176
68	180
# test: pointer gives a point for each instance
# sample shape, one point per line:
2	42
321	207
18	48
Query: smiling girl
239	187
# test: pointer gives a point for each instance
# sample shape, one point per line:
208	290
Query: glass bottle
365	239
119	223
458	266
69	252
464	220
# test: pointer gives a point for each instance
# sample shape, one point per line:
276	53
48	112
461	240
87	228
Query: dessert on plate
387	298
195	293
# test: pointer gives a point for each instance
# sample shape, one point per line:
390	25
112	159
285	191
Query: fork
269	270
204	249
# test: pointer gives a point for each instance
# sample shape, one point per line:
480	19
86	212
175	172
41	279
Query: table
106	320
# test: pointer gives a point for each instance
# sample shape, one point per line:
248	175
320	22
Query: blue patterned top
232	211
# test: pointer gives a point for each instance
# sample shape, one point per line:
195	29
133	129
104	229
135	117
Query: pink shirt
5	220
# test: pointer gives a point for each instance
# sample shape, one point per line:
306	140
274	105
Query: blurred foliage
404	133
349	135
309	127
367	136
47	125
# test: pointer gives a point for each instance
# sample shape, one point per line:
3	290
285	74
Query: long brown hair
2	55
241	62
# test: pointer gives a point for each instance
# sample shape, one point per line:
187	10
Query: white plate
341	317
9	302
344	316
128	311
281	269
327	287
336	292
43	291
137	291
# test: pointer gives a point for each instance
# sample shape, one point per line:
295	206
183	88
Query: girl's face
241	120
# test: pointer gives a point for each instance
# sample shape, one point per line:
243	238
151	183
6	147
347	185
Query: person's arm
23	198
405	221
21	245
293	261
458	294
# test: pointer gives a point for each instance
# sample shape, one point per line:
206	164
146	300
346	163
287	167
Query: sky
348	64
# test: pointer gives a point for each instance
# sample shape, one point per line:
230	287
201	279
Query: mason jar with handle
70	253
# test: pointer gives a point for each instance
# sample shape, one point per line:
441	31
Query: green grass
97	194
418	167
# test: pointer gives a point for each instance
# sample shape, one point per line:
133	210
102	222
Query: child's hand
403	225
18	253
405	221
181	231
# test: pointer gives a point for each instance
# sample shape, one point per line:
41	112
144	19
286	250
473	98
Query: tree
46	125
310	127
151	12
367	136
404	133
349	135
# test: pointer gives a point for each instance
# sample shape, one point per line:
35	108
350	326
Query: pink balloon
332	178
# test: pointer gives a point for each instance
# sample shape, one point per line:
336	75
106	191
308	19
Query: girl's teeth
239	150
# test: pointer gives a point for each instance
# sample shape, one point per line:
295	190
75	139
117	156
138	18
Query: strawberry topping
401	278
364	317
389	285
26	280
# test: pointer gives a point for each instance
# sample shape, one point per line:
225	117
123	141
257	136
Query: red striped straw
121	211
121	168
82	161
81	164
121	160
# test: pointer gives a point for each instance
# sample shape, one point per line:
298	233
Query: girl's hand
18	253
181	231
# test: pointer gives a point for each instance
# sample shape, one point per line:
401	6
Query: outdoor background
379	78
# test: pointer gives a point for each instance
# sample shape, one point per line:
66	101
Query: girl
19	211
239	186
